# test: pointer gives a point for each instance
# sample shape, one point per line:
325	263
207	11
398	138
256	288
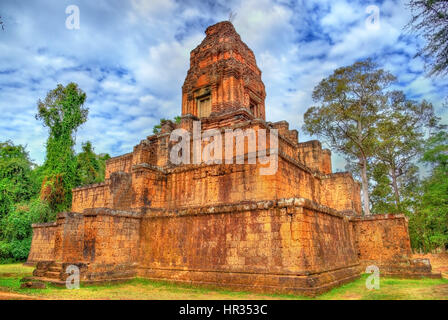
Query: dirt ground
14	296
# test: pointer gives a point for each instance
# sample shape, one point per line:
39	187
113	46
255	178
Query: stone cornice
244	206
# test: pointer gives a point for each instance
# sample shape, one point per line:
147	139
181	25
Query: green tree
399	142
381	193
17	182
351	102
432	213
19	204
91	167
15	240
62	112
430	19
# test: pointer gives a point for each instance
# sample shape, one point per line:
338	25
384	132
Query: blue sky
131	58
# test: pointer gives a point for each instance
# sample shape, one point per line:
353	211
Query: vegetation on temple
62	112
90	166
156	129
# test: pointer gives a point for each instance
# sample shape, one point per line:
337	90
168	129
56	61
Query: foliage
62	112
430	19
399	138
381	193
21	181
16	229
156	129
351	102
90	167
429	221
17	182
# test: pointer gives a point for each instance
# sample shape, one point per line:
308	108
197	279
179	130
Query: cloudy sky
131	58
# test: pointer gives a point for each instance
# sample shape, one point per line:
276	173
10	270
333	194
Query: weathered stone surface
33	285
224	68
298	230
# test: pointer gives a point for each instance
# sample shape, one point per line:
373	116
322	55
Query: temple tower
223	76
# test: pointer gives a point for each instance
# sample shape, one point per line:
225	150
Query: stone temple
298	230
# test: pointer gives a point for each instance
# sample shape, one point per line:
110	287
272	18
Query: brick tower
223	76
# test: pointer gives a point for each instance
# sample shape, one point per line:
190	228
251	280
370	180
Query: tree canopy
30	193
90	166
351	102
430	20
62	112
16	177
399	141
429	220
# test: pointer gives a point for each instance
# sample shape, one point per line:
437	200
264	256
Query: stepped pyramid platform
297	229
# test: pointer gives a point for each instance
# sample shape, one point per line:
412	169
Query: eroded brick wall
295	180
122	163
217	184
341	192
116	237
312	155
283	237
100	236
43	242
92	196
382	238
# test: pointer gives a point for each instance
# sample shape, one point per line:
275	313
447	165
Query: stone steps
52	274
55	269
50	270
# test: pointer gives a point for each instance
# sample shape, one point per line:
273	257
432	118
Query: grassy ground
11	274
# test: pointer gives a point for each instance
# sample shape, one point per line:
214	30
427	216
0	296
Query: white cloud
131	59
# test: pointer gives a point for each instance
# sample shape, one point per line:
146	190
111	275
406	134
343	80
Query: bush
16	229
14	251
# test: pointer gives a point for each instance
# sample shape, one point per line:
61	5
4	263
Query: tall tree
430	19
351	101
62	112
400	137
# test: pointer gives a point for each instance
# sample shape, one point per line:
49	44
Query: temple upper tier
223	76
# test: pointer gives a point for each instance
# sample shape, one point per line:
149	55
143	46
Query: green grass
390	288
16	269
